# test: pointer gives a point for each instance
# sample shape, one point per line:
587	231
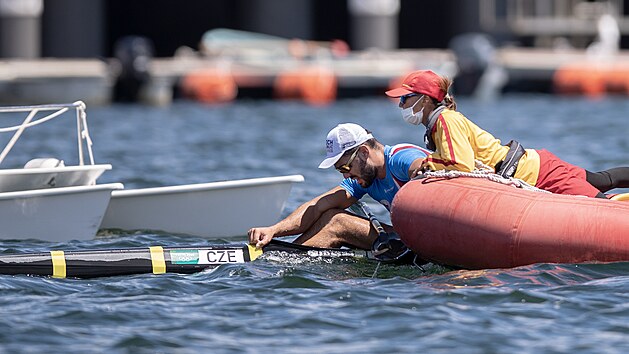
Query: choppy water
292	306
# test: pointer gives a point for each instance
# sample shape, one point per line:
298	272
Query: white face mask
413	118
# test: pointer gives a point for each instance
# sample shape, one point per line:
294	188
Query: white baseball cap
342	138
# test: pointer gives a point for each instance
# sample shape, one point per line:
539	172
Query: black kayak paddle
388	247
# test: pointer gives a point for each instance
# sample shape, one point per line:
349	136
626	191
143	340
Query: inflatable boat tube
476	224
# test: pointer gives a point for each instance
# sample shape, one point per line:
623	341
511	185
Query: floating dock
565	72
49	80
316	81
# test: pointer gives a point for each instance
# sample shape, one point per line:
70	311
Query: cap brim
398	92
330	161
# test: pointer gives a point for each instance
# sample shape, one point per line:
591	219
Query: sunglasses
348	165
406	97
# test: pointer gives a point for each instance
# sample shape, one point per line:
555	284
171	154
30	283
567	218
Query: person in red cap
457	143
368	167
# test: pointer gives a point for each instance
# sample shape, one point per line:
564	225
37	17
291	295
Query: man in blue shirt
368	167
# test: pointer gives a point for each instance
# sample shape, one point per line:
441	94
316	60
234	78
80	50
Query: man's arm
415	168
303	217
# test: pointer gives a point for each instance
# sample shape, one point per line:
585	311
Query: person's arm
406	161
453	148
303	217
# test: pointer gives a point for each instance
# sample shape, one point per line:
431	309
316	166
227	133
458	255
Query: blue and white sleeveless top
398	160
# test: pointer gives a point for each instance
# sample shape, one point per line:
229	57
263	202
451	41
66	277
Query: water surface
299	306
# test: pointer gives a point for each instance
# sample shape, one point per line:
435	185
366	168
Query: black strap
507	167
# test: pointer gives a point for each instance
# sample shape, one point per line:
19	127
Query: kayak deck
156	259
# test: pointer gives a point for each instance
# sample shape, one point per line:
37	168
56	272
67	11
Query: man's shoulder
408	148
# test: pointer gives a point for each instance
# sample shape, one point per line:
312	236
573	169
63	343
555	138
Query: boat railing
56	110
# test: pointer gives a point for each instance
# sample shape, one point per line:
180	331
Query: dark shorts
558	176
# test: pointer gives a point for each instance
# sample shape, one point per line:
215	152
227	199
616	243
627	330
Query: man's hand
260	236
417	168
417	173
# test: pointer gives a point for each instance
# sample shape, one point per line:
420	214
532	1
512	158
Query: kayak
155	259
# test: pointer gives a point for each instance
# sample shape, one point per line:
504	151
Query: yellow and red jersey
458	142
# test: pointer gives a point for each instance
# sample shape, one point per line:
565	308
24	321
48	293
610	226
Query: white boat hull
212	210
55	214
23	179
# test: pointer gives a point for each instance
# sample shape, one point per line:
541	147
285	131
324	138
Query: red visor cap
424	82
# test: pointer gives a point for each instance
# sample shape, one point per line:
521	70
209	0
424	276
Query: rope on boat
29	124
483	171
32	120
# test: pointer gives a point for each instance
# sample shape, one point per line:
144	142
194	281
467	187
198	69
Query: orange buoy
592	79
287	85
618	78
315	85
209	86
476	224
580	78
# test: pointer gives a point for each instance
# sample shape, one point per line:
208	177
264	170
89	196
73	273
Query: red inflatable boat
475	223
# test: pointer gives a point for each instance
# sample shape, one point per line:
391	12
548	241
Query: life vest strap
507	167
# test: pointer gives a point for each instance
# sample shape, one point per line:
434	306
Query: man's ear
363	151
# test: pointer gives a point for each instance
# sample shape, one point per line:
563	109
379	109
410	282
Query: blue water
297	306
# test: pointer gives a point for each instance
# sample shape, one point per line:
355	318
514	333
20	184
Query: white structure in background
607	43
20	28
374	24
576	23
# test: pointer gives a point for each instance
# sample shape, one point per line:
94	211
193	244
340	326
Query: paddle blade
389	248
254	252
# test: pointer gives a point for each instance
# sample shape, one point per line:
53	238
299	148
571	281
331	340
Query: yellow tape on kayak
58	264
253	252
157	258
624	197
